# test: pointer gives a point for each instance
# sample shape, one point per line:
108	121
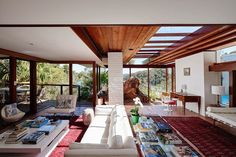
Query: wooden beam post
33	87
70	79
232	88
148	85
94	85
12	80
167	80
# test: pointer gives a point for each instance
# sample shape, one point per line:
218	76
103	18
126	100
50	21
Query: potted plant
134	114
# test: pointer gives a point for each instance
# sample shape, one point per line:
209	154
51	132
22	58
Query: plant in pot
134	114
135	111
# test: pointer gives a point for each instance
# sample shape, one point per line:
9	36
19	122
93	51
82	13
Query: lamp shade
218	90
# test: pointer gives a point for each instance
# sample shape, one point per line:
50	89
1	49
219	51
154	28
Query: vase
135	119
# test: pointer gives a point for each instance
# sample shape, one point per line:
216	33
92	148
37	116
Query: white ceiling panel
53	43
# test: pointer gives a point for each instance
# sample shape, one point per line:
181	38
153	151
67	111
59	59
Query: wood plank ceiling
148	42
126	39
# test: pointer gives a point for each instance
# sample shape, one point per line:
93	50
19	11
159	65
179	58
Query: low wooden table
41	149
187	97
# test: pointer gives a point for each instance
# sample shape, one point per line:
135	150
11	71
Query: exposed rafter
206	38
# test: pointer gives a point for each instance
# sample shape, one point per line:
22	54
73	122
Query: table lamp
218	90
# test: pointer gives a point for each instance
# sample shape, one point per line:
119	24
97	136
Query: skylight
166	38
158	44
179	29
152	48
137	60
148	52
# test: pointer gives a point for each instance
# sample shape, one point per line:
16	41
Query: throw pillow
11	110
61	101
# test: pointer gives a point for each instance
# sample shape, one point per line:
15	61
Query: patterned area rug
210	140
77	130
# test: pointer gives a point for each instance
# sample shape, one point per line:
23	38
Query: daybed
224	115
108	135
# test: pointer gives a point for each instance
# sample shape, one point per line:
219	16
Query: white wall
115	78
117	12
200	80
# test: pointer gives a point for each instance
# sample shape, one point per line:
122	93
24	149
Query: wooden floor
158	109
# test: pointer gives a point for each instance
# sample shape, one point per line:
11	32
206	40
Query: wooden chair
167	100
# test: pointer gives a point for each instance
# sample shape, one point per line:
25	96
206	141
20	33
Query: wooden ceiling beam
21	55
226	66
215	43
86	38
170	34
207	33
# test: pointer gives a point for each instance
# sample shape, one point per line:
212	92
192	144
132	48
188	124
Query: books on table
169	138
149	136
183	151
33	138
16	136
47	129
39	121
163	127
152	150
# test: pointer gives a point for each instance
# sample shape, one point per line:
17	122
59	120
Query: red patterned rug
210	140
77	130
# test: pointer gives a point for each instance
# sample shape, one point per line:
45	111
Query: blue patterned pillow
11	110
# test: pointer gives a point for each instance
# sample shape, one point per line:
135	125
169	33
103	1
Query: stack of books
152	150
149	136
39	121
169	138
16	136
47	129
33	138
163	127
183	151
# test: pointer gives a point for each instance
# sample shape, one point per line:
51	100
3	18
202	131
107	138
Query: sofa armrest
101	153
77	145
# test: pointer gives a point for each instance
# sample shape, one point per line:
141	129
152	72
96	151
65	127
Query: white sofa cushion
77	145
96	134
221	109
104	109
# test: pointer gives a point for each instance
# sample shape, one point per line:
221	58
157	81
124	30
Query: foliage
134	111
4	70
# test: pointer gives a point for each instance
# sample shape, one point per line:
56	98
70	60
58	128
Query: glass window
166	38
169	80
23	84
224	99
125	74
54	78
227	54
153	48
4	81
158	44
179	29
103	77
83	83
142	75
157	82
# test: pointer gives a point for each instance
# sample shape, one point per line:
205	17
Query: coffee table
166	147
41	149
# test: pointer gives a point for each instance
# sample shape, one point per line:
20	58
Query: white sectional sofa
108	135
224	115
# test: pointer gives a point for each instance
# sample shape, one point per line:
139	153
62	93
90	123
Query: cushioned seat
224	115
10	113
65	104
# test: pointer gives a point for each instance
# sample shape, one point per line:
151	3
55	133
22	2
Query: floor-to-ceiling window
4	81
169	80
157	82
226	55
23	84
83	83
126	74
142	75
